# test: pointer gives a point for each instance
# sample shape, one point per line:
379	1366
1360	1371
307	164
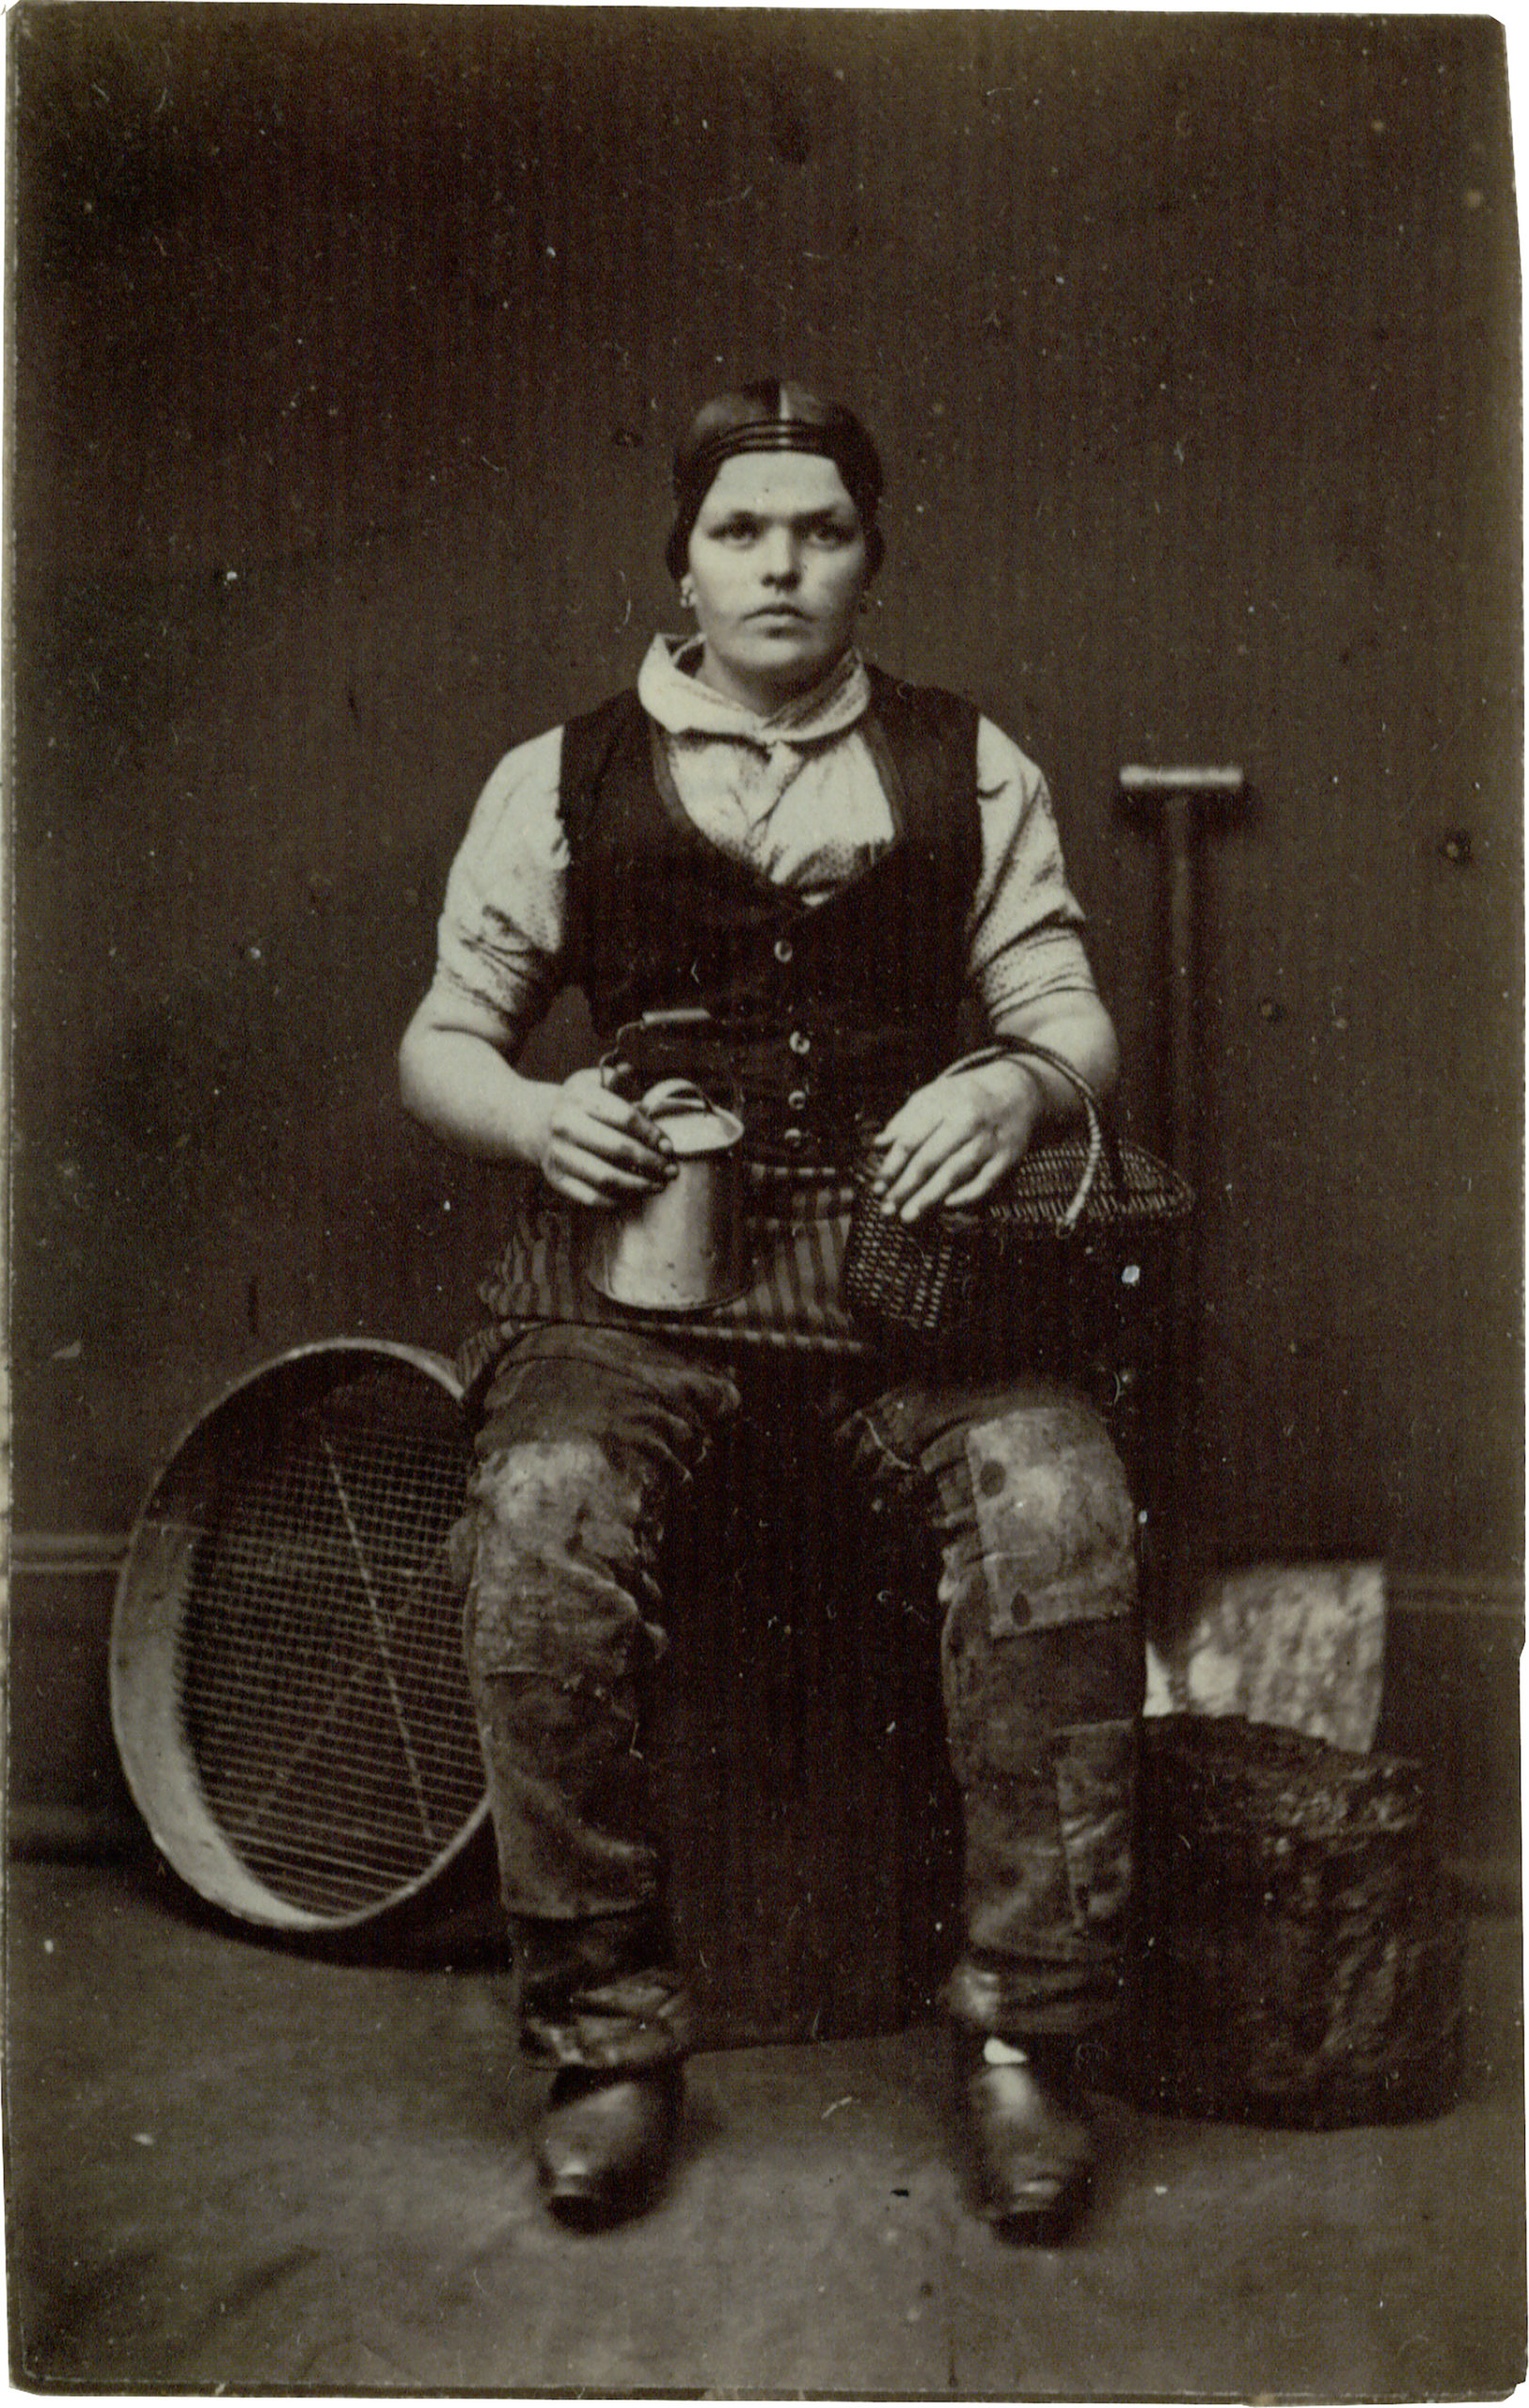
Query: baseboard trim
1495	1596
65	1833
1455	1636
86	1554
68	1555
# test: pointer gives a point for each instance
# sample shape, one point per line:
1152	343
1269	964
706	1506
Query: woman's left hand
955	1138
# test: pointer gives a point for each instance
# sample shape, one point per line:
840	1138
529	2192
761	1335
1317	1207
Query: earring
687	595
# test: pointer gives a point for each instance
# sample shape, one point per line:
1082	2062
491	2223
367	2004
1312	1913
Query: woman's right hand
597	1147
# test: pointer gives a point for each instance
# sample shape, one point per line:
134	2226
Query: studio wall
347	347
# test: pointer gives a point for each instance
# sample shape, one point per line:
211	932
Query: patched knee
555	1497
1055	1525
559	1557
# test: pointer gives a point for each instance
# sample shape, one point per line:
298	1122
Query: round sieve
287	1682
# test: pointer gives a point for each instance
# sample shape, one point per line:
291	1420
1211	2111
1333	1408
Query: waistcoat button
799	1042
783	949
797	1099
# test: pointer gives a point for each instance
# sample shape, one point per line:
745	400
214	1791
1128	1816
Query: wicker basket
1301	1949
1074	1207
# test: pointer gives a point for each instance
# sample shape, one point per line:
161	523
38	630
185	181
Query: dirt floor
233	2168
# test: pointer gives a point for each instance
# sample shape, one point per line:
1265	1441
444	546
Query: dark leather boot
604	2145
1029	2145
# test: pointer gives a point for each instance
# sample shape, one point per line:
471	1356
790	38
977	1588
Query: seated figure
773	866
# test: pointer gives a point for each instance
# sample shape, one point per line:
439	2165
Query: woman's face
778	568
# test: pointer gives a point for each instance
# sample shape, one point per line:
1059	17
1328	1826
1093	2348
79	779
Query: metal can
680	1249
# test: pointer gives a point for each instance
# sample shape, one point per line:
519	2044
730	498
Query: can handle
693	1015
673	1098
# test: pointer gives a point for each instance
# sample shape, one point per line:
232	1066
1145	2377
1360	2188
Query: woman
774	864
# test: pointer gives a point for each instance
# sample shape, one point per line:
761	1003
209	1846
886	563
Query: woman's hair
771	416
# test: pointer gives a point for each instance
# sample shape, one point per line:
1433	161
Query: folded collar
672	692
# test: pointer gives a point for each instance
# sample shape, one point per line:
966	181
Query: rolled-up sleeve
501	934
1023	940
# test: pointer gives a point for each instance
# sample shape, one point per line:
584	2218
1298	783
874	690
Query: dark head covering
771	417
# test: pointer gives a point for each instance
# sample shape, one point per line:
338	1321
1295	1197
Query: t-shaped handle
1155	785
1181	803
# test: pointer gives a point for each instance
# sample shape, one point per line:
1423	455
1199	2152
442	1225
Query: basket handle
1101	1141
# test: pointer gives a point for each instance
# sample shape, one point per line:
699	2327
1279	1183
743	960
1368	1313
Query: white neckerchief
672	692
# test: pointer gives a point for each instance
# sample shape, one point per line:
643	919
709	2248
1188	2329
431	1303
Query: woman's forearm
464	1091
1078	1027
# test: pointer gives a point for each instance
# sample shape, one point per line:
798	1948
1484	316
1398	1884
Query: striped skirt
795	1228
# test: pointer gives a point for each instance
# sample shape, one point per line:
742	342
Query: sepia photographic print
764	1074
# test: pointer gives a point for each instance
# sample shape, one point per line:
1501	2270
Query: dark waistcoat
821	1017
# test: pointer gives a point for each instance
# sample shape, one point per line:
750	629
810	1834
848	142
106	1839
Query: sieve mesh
318	1658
